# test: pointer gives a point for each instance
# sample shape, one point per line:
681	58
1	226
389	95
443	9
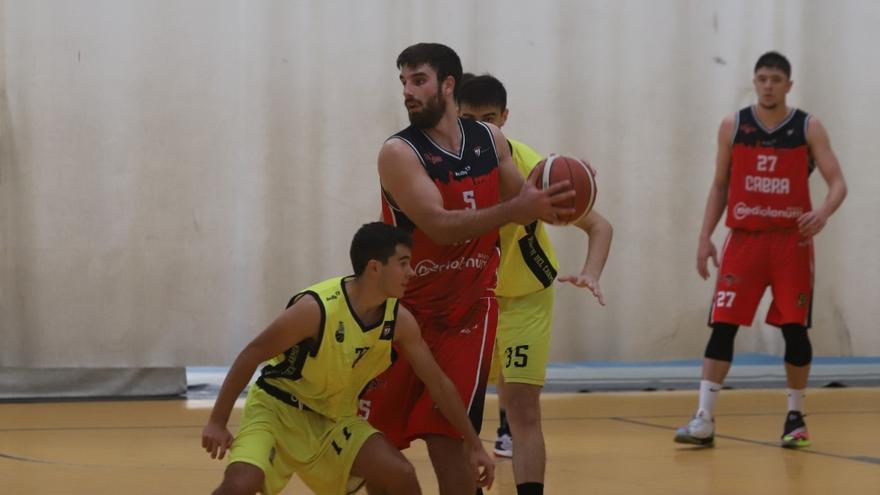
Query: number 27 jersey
769	172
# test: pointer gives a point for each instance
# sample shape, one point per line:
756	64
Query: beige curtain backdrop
171	172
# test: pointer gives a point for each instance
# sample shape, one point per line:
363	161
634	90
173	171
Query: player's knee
720	346
798	349
523	411
241	479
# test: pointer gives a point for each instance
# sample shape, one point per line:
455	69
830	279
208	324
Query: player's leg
464	353
529	459
503	438
798	356
524	342
792	287
255	464
385	469
503	435
454	472
742	279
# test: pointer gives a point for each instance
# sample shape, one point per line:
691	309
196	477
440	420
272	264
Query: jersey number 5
469	199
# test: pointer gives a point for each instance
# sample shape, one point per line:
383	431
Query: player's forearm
239	375
714	209
598	246
836	194
448	401
453	226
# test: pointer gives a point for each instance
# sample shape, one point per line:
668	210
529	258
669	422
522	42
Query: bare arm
717	200
409	340
599	233
298	323
811	223
402	175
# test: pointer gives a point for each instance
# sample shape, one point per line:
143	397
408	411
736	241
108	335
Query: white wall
170	172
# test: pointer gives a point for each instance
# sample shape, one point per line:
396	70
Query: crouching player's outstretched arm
409	341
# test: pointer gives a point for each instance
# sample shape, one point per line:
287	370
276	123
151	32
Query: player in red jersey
445	180
765	155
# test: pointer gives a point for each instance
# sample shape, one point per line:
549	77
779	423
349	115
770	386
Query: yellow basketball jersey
528	262
329	374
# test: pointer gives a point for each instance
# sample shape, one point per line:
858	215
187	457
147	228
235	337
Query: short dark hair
376	241
774	60
441	58
483	90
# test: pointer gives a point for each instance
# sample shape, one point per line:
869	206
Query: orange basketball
557	168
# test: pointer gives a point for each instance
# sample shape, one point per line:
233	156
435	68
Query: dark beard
430	115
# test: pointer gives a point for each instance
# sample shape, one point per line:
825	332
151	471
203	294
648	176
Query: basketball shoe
700	430
794	433
503	441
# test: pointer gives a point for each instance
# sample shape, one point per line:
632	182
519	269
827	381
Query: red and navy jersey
450	279
769	172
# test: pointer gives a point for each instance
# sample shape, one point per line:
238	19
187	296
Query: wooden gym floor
601	443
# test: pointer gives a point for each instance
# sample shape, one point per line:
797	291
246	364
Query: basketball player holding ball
766	153
525	296
445	180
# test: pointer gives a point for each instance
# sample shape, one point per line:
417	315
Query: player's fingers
588	165
714	259
805	219
563	197
559	187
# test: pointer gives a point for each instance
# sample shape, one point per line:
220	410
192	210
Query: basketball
557	168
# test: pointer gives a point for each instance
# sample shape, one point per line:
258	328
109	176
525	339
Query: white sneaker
504	445
700	430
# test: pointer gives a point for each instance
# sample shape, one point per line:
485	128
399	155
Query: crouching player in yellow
525	299
323	350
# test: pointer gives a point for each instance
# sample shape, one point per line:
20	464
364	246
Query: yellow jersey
528	262
328	374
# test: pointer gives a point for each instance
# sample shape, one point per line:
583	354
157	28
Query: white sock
708	394
796	399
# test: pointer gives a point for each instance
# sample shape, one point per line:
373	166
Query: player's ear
503	119
373	266
448	86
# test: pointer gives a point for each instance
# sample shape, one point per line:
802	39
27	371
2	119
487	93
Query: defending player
301	416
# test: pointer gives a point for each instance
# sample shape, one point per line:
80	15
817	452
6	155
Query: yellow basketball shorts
522	343
282	440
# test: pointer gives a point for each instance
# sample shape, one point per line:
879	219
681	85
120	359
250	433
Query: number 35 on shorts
516	356
724	298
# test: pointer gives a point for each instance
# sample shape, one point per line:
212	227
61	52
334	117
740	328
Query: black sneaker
794	433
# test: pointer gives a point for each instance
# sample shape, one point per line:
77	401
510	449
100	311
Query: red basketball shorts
398	404
751	261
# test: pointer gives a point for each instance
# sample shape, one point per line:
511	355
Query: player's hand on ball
216	440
